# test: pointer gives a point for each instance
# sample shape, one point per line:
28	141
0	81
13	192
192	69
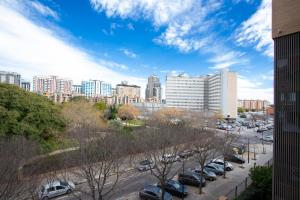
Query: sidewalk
221	186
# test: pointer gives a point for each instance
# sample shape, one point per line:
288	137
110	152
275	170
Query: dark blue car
175	188
153	192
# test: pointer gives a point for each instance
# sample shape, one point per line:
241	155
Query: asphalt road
132	181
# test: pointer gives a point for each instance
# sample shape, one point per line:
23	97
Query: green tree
101	105
262	181
30	115
241	110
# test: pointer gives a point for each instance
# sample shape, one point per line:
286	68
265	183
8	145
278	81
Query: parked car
56	188
228	166
239	148
270	127
175	188
217	169
191	178
260	130
186	154
268	138
168	158
145	165
235	158
152	192
208	175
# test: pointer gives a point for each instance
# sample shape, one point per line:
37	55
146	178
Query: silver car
56	188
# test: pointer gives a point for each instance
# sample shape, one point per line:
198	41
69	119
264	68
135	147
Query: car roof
52	184
152	188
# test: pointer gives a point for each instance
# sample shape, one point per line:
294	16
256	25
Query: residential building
77	89
96	88
286	35
117	100
131	91
216	93
55	88
256	105
10	78
147	108
51	85
153	89
25	85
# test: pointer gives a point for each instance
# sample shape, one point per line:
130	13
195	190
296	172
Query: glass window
51	189
60	187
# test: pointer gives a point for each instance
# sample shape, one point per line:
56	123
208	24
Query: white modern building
216	93
96	88
10	78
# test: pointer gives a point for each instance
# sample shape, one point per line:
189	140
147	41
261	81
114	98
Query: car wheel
69	191
45	198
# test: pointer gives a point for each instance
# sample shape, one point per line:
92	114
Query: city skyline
98	50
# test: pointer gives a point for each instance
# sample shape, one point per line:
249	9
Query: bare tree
14	152
128	112
204	144
161	147
98	161
225	143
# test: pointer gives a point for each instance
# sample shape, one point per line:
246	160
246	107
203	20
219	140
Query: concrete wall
285	17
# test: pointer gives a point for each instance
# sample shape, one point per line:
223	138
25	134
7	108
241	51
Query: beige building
131	91
257	105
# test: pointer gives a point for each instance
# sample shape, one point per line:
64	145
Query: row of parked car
191	177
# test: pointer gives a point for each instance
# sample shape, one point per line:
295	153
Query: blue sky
116	40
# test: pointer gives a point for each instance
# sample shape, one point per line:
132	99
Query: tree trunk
224	167
200	186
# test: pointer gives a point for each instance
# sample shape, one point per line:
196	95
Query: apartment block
25	85
131	91
216	93
257	105
10	78
51	85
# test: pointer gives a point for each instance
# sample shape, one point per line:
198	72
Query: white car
228	165
168	158
56	188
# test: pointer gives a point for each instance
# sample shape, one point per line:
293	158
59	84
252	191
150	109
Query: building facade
153	89
96	88
55	88
10	78
257	105
216	93
25	85
286	35
131	91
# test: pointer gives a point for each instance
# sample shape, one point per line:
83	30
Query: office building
286	35
216	93
153	89
10	78
96	88
25	85
131	91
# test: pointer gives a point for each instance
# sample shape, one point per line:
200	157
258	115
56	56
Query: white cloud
251	89
257	30
185	22
44	10
128	53
30	50
228	59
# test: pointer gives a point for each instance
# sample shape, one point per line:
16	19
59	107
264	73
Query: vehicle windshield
43	189
63	183
176	185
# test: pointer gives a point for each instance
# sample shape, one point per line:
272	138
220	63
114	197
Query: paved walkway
221	186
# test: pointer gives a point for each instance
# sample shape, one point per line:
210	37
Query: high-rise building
286	35
51	85
131	91
216	93
10	78
96	88
25	85
153	89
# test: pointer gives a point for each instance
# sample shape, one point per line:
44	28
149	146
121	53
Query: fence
242	186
